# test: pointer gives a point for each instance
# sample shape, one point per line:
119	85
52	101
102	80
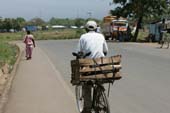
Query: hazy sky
54	8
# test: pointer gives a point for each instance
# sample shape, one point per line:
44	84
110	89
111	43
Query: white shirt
93	42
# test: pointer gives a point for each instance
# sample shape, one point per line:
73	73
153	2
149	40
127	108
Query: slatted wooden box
104	69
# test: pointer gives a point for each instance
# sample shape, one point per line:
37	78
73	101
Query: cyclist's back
95	44
92	42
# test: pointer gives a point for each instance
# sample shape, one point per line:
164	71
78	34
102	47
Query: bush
142	36
11	36
79	32
7	53
45	35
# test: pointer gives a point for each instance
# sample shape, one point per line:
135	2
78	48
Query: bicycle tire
79	97
101	104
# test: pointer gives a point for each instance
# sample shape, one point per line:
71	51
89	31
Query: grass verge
45	35
8	54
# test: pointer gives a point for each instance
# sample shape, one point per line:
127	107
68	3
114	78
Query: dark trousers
87	99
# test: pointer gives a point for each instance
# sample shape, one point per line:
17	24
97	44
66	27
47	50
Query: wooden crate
105	69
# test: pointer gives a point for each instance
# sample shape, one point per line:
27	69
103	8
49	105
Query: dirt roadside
7	81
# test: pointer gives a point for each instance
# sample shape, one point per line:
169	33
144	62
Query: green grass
58	34
8	53
44	35
142	36
11	36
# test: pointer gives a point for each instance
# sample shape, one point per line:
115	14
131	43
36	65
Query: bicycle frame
97	89
91	98
97	92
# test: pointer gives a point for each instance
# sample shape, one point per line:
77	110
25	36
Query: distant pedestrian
162	27
133	30
165	39
29	44
98	30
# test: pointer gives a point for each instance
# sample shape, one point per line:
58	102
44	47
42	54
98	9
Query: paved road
146	75
39	88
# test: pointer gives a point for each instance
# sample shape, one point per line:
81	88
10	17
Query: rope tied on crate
97	65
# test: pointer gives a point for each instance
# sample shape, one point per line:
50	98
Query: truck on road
115	28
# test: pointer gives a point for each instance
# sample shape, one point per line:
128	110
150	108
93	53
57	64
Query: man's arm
33	42
80	45
105	48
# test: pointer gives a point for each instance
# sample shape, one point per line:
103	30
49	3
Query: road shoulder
39	88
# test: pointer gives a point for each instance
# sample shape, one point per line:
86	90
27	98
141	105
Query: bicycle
99	100
90	93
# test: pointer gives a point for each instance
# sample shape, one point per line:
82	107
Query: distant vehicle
81	27
73	27
120	25
12	30
45	27
106	28
58	27
115	28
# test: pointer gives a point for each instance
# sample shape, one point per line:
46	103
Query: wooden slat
75	70
99	61
116	58
101	68
102	76
83	69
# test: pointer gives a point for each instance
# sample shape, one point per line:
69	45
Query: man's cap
91	25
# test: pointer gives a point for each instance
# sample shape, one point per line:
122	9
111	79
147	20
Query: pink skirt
29	49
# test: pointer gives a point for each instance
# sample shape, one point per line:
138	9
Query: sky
47	9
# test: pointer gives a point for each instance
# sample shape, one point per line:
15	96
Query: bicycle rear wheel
79	97
100	104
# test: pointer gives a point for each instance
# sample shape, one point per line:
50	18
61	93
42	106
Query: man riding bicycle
94	43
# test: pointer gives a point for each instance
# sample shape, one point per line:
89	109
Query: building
31	28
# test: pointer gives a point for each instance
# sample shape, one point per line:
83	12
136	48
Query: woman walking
29	44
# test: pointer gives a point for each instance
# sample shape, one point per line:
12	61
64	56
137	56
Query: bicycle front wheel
101	104
79	97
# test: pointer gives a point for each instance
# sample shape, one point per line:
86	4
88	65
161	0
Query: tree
36	22
7	24
66	21
1	24
11	23
21	21
139	9
79	22
52	21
